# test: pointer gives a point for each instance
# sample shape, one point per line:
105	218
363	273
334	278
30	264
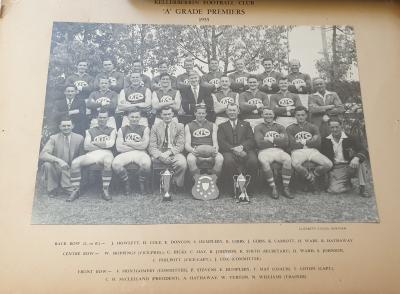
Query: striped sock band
286	176
270	178
107	173
123	175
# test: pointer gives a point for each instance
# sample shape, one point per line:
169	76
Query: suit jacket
188	101
55	146
79	119
351	148
157	136
229	138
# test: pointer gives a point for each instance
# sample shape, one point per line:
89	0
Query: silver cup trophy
241	182
165	182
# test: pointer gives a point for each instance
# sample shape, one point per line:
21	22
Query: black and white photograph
203	124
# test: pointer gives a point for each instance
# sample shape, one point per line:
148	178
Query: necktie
66	149
195	93
234	132
69	103
166	139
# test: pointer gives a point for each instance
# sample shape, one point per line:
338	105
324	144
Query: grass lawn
149	209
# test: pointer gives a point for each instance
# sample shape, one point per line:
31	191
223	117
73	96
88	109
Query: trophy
165	182
241	182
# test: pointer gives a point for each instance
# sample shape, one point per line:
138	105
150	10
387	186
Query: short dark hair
137	61
283	78
300	108
166	108
134	111
64	118
252	77
164	75
335	119
233	104
267	59
267	108
102	76
200	106
82	60
108	58
213	59
103	110
70	86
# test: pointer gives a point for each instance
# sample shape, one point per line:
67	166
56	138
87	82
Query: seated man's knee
48	165
117	165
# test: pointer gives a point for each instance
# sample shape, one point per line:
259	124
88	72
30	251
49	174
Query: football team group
268	126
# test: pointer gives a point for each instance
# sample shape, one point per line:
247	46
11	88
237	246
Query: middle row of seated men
322	104
235	149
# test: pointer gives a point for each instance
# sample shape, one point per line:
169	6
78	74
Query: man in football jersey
82	80
252	101
304	141
105	99
182	81
348	157
73	107
212	79
136	96
300	83
165	96
239	77
137	67
269	78
197	94
98	143
116	78
199	132
167	141
222	98
272	140
132	142
57	155
324	105
162	69
283	103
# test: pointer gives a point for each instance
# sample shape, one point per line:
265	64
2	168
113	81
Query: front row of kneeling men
234	151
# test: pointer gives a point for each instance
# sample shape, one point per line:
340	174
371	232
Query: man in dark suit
196	94
57	156
237	144
73	107
347	155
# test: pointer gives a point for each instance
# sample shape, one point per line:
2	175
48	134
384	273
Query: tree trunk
334	54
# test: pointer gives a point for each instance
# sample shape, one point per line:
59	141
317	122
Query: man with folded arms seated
165	96
105	99
135	97
239	77
251	102
271	140
212	79
300	83
198	133
132	142
222	98
167	141
283	103
57	155
304	141
98	143
348	156
269	78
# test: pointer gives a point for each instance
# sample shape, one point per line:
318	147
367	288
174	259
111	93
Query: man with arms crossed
300	83
252	101
132	142
162	69
304	141
82	80
58	154
212	79
222	98
135	97
271	140
283	103
348	156
201	132
269	78
116	78
98	142
182	81
167	141
239	77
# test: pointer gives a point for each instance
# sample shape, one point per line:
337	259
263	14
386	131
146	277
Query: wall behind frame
25	31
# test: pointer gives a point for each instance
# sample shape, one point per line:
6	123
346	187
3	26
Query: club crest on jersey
101	100
226	100
254	101
215	82
81	84
286	102
133	137
186	81
303	136
299	83
271	135
101	138
166	98
269	81
134	97
201	133
242	80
